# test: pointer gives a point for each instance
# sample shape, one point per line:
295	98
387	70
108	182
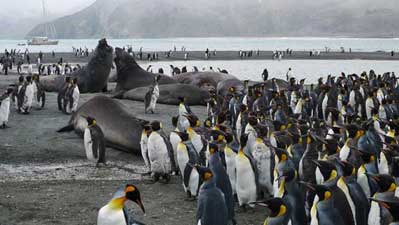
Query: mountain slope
202	18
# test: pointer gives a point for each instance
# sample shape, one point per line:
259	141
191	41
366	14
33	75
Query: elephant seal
169	93
224	86
204	80
130	75
122	130
91	78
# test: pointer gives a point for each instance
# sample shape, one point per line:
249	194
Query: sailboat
49	29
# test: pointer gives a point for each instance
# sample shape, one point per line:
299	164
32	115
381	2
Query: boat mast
44	18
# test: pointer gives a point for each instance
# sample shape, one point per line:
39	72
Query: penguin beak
138	201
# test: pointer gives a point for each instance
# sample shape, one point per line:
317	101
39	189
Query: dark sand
230	55
46	179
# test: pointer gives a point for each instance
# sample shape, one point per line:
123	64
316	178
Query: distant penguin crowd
321	154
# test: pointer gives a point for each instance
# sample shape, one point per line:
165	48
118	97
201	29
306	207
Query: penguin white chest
231	168
245	183
88	142
108	216
182	157
4	110
262	156
158	154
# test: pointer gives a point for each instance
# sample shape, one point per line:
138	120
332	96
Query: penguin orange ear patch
130	189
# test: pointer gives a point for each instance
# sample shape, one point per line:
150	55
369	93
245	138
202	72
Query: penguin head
9	91
288	175
204	172
193	119
181	99
261	131
327	169
347	168
183	136
213	148
281	154
323	192
147	130
243	108
389	202
218	135
156	125
91	121
175	120
133	194
385	182
367	156
208	123
229	138
276	206
252	120
21	79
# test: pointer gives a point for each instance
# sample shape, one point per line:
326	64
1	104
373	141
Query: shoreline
226	56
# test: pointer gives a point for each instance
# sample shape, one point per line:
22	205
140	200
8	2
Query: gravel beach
46	179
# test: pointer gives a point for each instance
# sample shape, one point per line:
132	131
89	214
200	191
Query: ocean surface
200	44
309	69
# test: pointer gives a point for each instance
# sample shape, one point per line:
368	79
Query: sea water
228	43
310	70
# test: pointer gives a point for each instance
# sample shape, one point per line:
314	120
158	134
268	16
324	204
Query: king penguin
279	212
391	203
292	194
184	110
160	153
144	145
323	211
211	207
115	213
246	176
222	180
174	137
263	158
187	157
94	142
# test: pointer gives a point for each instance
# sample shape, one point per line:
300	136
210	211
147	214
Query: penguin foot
165	179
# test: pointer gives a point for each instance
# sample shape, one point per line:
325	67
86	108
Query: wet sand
228	55
46	179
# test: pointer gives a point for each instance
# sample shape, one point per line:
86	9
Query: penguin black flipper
129	219
147	99
68	128
254	168
188	109
186	175
170	151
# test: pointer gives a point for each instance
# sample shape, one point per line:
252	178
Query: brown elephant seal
204	80
169	94
130	75
224	86
91	78
122	130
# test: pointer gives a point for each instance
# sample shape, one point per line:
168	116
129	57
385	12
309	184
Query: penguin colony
328	155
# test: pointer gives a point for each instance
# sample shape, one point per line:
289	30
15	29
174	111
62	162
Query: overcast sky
28	8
